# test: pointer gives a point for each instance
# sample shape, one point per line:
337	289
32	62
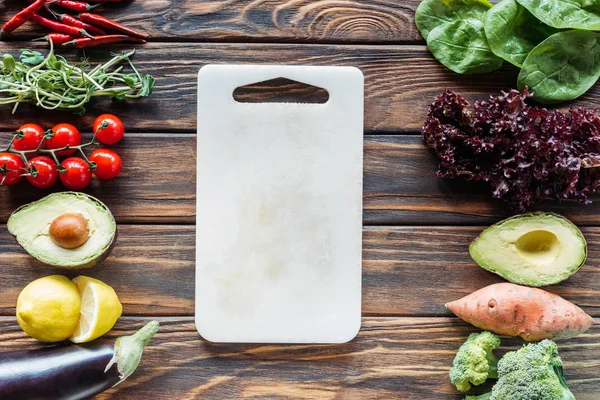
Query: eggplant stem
129	350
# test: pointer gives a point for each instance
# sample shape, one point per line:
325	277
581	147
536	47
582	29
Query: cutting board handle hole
280	90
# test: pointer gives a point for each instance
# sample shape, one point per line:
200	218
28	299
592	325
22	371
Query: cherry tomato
108	163
13	163
64	134
32	137
45	171
77	175
112	133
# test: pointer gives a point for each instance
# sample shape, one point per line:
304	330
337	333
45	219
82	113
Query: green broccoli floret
532	373
485	396
475	363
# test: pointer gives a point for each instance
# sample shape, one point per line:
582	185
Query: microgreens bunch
52	83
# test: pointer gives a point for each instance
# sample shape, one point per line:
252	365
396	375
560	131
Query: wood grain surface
392	358
158	185
304	21
407	271
400	82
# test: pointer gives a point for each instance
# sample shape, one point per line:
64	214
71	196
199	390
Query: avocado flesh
534	249
30	225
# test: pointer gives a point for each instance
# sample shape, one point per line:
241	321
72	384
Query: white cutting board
279	208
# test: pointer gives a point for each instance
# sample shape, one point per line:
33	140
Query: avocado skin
514	277
91	263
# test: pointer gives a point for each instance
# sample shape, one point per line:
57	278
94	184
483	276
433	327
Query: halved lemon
48	308
100	309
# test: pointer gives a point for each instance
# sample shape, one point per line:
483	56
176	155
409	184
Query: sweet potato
530	313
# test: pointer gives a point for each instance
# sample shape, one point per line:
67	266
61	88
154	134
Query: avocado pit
69	231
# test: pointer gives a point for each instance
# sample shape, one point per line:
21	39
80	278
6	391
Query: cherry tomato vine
34	154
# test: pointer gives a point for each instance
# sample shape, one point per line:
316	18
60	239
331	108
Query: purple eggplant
72	372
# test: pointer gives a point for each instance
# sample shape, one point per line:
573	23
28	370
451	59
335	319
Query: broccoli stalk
566	393
531	373
475	363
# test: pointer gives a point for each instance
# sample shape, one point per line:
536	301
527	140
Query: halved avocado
534	249
67	230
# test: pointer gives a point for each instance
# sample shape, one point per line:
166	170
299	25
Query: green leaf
69	70
562	67
31	57
433	13
54	63
462	47
8	62
45	84
129	81
118	95
563	14
147	85
20	67
512	31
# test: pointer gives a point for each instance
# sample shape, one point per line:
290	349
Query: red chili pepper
78	6
57	38
72	21
99	20
22	17
59	27
83	43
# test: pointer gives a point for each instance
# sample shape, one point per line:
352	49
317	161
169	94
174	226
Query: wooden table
416	227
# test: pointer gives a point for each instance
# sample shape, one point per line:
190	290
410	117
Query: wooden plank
392	358
151	268
157	185
407	271
401	188
304	21
400	82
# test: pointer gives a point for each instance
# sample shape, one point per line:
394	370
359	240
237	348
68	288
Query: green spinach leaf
432	13
462	47
563	14
512	31
562	67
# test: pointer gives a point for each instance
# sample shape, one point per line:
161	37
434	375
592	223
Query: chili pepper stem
75	5
84	33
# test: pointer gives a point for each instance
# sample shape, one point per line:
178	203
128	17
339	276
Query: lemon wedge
100	309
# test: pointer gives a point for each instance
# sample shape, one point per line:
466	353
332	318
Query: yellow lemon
48	308
100	309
